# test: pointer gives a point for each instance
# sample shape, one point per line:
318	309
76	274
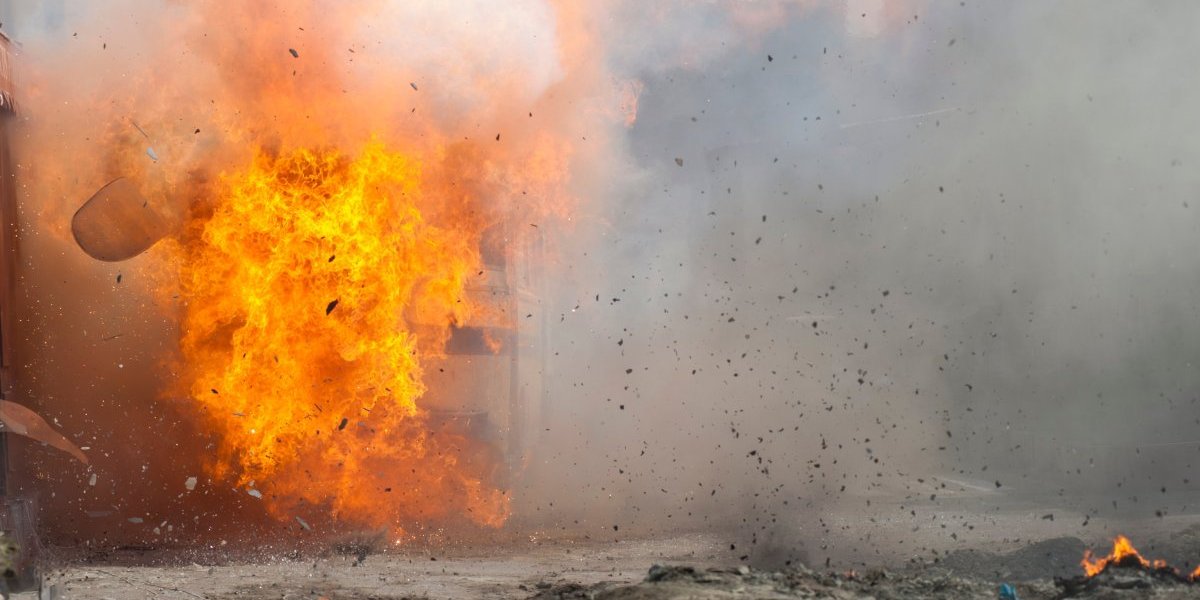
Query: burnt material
1125	574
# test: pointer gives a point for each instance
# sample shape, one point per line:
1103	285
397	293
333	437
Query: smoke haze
815	254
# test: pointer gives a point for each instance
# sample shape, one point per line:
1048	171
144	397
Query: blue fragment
1008	592
151	154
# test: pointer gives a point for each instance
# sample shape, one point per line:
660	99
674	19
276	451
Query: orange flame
291	214
302	290
1122	550
1124	554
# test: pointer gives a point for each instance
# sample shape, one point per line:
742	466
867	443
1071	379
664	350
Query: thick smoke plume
875	253
800	255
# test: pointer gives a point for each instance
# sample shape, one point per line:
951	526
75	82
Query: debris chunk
118	223
16	418
294	53
190	483
329	308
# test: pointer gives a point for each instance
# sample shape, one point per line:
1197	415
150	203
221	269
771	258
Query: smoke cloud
867	255
800	256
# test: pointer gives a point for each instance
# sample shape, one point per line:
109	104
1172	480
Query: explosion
346	195
300	292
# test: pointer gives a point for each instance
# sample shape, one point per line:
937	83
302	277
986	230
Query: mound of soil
1055	557
688	583
680	582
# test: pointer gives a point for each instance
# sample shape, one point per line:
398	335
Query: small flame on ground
1125	555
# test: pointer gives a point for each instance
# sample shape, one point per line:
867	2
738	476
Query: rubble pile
931	583
1128	582
671	582
1045	559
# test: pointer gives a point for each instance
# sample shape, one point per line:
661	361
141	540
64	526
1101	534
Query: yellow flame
301	290
1122	548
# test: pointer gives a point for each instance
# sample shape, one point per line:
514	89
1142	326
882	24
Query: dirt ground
465	574
962	546
559	571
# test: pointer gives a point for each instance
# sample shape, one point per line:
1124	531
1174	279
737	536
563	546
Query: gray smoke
847	252
962	248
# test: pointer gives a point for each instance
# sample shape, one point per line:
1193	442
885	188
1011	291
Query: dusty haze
842	251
